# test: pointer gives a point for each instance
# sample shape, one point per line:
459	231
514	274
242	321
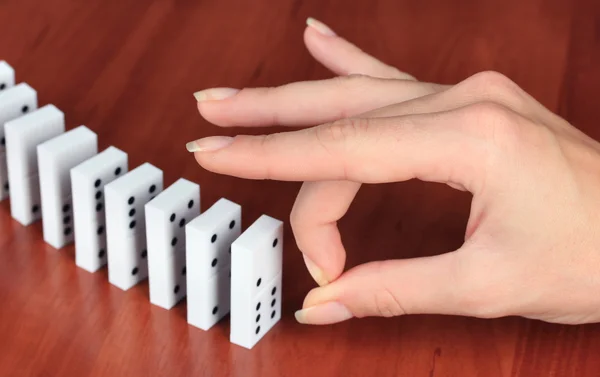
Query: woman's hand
532	243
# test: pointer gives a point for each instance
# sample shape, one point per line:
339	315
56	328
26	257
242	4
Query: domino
125	200
256	262
7	76
23	135
87	181
208	255
56	158
14	102
166	218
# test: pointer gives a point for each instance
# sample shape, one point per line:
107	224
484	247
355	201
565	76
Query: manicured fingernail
323	314
209	144
315	271
215	94
320	27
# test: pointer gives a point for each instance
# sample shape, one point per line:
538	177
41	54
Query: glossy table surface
127	70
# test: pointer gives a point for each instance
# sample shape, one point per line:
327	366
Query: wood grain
127	70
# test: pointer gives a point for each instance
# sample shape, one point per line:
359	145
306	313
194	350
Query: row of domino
124	219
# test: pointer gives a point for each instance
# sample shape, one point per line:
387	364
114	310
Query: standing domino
14	102
256	281
56	158
166	217
88	180
208	254
23	135
125	199
7	76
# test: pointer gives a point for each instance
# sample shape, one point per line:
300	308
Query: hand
532	243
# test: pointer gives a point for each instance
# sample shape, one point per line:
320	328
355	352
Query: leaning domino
256	281
208	255
56	158
7	76
125	199
88	180
166	218
14	102
23	135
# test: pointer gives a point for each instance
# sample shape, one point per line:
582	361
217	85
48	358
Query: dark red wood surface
127	70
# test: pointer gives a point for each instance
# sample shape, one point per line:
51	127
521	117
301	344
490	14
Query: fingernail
323	314
215	94
320	27
316	273
209	144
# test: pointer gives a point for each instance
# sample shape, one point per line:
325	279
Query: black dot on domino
99	207
100	230
144	253
176	290
101	253
35	208
66	219
231	224
97	183
132	224
6	186
273	302
258	318
3	141
174	241
152	189
273	314
183	271
172	218
134	271
67	231
24	109
273	290
117	171
66	208
257	330
131	200
213	238
215	310
275	242
258	306
132	212
190	204
98	194
2	86
214	262
181	223
258	282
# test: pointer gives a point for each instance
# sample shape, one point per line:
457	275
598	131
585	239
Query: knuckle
491	85
491	82
342	130
497	124
386	304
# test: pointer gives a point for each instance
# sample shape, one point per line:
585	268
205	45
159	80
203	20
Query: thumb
433	285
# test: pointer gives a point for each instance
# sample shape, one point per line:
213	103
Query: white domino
125	199
88	180
23	135
14	102
256	262
7	76
208	257
166	218
56	158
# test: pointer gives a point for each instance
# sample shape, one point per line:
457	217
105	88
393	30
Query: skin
531	243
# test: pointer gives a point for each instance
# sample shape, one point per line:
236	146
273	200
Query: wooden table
127	69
